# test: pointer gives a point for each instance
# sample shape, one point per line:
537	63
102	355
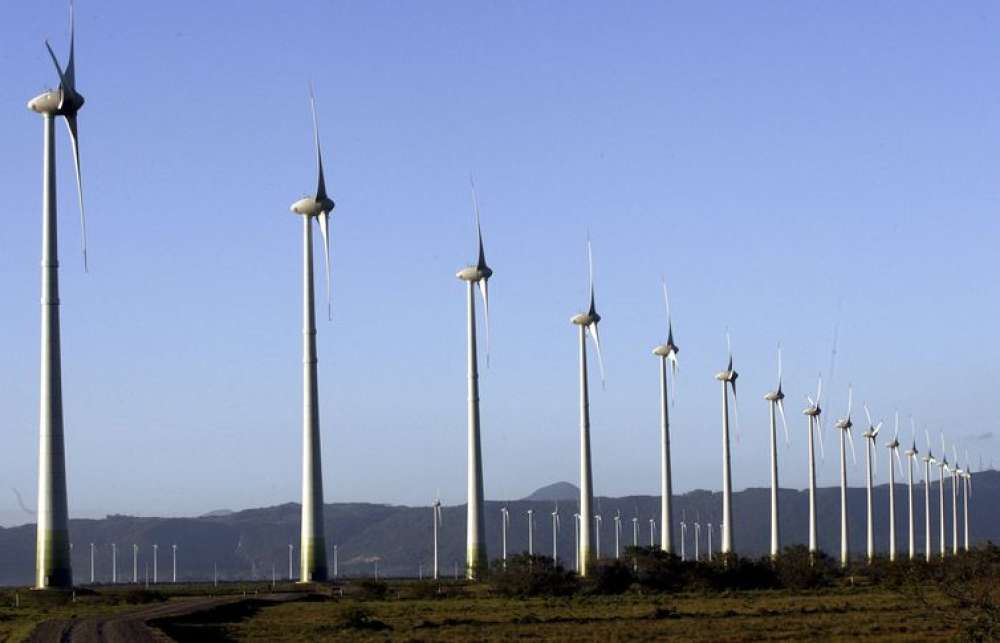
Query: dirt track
133	627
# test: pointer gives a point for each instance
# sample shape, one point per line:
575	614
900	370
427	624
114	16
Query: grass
835	614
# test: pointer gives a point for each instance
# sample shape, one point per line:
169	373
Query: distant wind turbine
555	536
709	542
436	519
697	539
942	469
893	446
956	473
966	492
597	535
531	532
504	526
635	531
683	536
476	560
667	353
312	548
845	424
618	533
53	564
813	413
928	461
576	547
775	402
587	323
728	379
870	435
652	533
911	455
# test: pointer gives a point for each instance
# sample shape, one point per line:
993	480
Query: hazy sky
787	166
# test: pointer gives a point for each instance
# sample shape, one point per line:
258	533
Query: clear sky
789	167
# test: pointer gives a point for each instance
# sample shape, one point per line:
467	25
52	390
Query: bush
143	596
526	575
611	577
372	589
358	618
797	568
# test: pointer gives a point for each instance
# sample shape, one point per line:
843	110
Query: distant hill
248	544
557	491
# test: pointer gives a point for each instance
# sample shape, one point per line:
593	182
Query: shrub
611	577
526	575
797	568
372	589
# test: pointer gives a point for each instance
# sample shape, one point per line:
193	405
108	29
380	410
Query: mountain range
249	544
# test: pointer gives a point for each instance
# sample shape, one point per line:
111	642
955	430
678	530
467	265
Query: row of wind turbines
53	567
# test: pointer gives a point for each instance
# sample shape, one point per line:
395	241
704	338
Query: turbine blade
874	460
75	142
592	329
779	366
895	434
590	265
481	260
484	288
324	228
927	436
784	422
736	411
899	462
868	415
70	65
63	83
850	399
819	390
822	449
850	440
321	184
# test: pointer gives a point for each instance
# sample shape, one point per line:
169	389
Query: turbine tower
53	568
728	379
531	532
911	455
775	402
966	492
667	353
475	548
813	413
312	549
893	447
504	526
942	468
956	473
870	436
555	536
618	531
928	461
845	424
587	323
436	508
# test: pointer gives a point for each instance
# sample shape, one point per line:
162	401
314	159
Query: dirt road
134	627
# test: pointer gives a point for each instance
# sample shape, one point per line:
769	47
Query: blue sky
789	167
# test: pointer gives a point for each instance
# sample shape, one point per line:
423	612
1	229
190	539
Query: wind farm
169	385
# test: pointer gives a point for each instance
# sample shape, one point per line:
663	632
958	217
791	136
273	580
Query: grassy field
835	614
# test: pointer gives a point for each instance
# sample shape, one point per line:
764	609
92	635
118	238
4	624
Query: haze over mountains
249	544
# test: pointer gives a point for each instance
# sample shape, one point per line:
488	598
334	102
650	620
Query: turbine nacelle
311	206
665	350
57	102
775	396
585	319
728	375
475	274
812	411
844	423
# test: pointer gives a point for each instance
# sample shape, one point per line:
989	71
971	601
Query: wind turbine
911	455
480	274
156	566
618	533
728	379
813	412
53	565
597	534
635	531
709	542
587	323
870	436
174	578
555	536
312	548
531	532
684	530
893	447
928	461
504	526
956	473
652	533
845	424
576	531
92	561
966	492
697	538
942	468
667	353
114	564
775	402
436	520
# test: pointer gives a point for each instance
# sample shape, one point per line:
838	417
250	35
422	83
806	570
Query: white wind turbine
652	533
476	559
813	413
728	379
531	532
618	534
893	446
844	425
667	353
576	531
928	461
911	455
555	536
53	564
587	323
956	473
775	402
942	468
436	521
697	539
709	542
597	534
312	549
870	436
966	492
684	530
504	526
635	531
